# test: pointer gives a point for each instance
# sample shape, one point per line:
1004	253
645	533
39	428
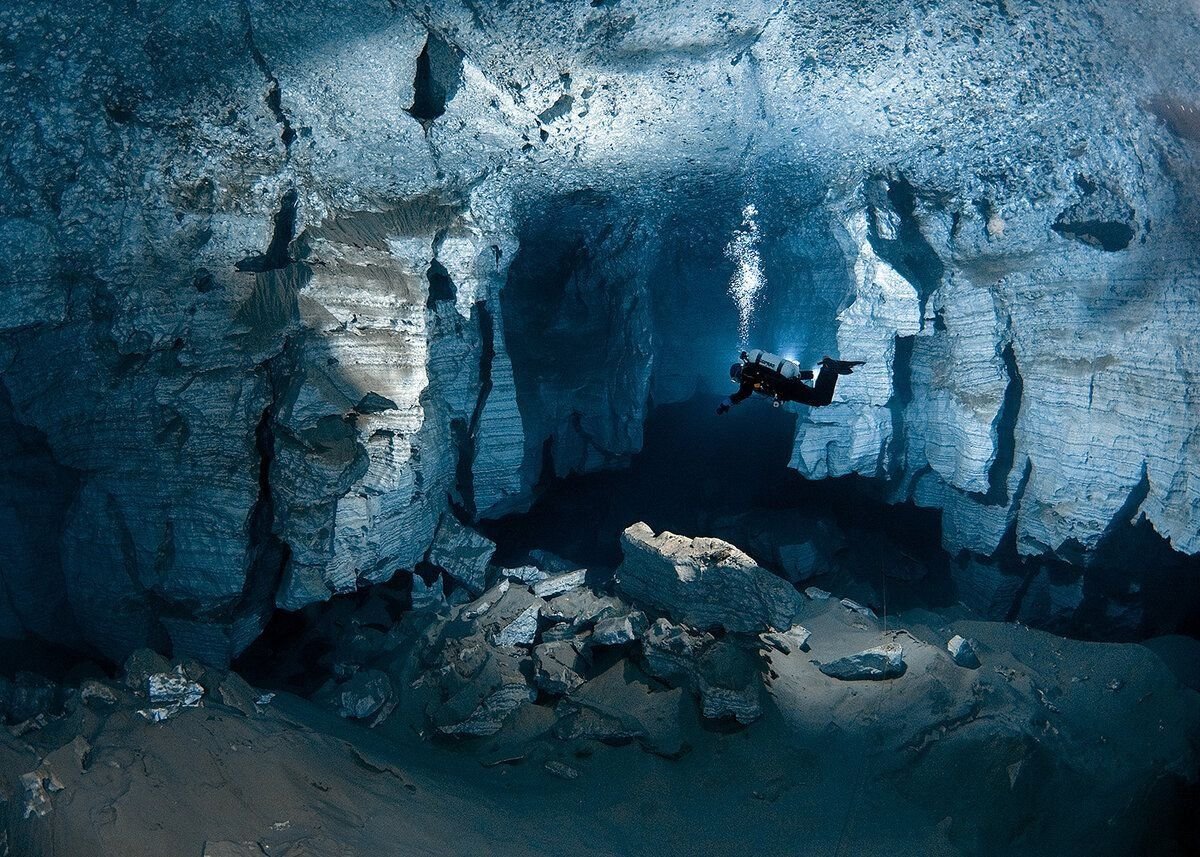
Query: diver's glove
724	407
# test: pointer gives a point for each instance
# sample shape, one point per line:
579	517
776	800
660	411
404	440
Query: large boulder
462	553
704	582
878	663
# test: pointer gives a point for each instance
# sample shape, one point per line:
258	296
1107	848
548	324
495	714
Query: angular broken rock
703	582
581	608
671	651
861	610
489	713
26	697
478	683
521	630
95	691
558	632
140	665
508	613
527	574
729	682
619	630
963	652
878	663
462	553
428	596
368	695
173	690
816	594
792	640
557	667
237	694
39	785
560	583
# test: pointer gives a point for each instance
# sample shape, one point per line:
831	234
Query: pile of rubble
679	630
53	722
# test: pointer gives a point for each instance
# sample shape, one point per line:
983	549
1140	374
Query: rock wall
283	287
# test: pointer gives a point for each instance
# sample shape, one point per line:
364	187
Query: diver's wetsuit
783	380
757	378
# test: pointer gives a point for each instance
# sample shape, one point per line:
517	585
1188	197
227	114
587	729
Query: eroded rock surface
285	284
704	582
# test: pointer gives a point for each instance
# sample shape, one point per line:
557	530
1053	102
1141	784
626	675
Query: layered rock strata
282	288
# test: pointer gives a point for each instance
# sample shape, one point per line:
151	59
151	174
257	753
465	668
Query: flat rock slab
704	582
878	663
462	553
560	583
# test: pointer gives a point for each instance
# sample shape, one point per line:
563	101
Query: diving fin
842	367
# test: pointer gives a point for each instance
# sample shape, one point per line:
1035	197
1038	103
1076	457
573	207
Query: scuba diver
783	379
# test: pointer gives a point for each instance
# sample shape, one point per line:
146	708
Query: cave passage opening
616	303
698	474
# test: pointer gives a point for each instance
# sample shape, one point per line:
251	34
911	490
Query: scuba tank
767	366
772	363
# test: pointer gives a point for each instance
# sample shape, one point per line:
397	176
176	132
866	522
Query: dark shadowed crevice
560	108
274	96
1124	516
1108	235
282	233
1031	572
278	277
36	493
1005	428
907	250
465	435
266	554
441	287
438	77
902	395
1103	217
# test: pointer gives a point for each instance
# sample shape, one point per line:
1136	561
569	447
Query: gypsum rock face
357	472
703	582
172	349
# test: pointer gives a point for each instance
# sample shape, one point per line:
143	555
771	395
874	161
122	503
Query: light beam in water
747	282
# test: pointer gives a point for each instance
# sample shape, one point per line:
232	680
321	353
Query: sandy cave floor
1051	746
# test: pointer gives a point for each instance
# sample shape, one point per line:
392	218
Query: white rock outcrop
703	582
